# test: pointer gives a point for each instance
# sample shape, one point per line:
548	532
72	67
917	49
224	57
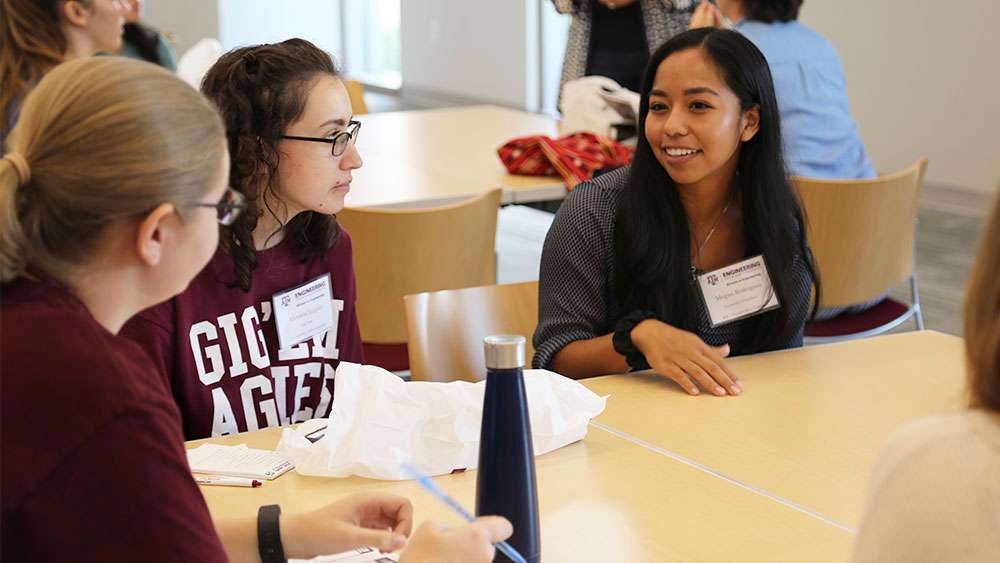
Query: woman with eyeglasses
110	196
249	343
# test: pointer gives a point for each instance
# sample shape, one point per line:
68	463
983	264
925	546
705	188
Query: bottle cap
504	351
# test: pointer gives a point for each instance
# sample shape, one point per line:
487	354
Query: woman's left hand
707	15
684	357
365	519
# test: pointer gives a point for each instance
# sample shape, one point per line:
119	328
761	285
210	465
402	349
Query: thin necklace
711	232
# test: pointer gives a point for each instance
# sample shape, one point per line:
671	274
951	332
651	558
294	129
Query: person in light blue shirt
821	139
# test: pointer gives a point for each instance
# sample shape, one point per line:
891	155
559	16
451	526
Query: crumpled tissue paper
378	421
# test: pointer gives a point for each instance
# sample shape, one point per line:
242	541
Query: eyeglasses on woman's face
338	141
229	208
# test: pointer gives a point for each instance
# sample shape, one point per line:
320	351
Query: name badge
738	291
304	311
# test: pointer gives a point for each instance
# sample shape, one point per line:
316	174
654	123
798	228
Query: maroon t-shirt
217	346
94	467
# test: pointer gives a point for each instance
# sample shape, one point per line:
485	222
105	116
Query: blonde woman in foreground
934	493
111	197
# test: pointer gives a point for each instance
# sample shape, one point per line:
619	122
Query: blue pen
433	489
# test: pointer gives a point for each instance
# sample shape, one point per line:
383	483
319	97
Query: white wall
252	22
187	21
247	22
473	49
555	30
924	79
922	75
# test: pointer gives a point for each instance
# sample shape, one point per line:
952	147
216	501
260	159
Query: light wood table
388	183
601	499
442	146
810	420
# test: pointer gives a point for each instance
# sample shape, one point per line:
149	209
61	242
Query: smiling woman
695	252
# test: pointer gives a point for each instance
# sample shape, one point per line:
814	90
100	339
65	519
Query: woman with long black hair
140	41
695	252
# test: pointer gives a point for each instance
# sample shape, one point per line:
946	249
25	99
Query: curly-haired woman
235	346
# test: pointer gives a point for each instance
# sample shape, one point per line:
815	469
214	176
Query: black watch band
622	338
269	535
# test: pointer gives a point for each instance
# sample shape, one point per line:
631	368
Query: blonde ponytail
107	139
11	236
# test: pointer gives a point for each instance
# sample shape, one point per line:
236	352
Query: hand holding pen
435	542
492	528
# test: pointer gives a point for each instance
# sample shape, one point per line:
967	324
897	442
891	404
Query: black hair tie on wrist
622	338
269	535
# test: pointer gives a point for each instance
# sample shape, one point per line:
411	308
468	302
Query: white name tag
303	312
738	291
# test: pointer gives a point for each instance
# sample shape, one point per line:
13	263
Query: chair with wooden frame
402	251
863	238
447	328
356	93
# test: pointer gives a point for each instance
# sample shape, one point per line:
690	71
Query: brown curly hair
770	11
260	91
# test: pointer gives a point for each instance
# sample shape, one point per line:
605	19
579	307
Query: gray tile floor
951	223
947	243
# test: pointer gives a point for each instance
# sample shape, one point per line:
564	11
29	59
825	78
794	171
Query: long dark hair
770	11
146	40
652	237
260	91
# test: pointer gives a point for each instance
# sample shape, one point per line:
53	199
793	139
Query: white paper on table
378	421
363	555
237	461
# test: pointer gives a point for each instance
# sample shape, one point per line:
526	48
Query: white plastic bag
196	61
378	421
595	103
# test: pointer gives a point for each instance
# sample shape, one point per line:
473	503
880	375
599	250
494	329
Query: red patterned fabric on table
574	157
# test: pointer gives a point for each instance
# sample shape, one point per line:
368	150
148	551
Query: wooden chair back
402	251
356	92
447	328
862	232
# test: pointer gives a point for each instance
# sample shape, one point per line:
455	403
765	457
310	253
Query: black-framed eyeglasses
339	141
229	208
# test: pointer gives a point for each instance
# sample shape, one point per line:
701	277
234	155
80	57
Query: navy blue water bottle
505	484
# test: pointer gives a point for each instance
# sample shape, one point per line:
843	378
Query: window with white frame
372	42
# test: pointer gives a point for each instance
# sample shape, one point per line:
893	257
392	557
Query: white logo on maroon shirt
262	393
